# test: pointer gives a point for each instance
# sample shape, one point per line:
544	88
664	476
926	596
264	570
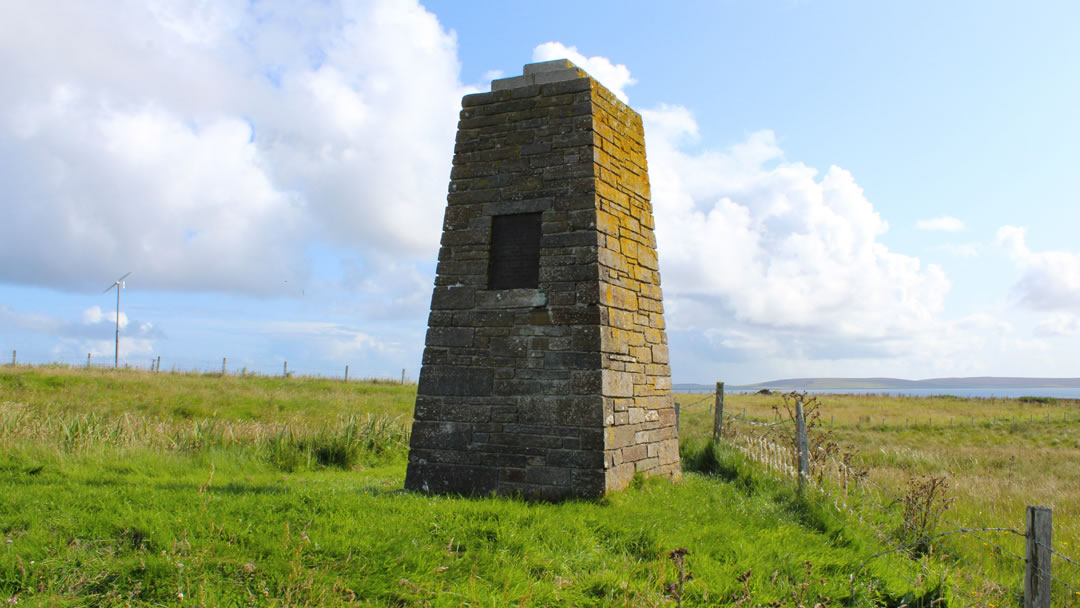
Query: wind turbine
119	284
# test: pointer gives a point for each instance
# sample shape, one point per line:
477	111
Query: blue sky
840	188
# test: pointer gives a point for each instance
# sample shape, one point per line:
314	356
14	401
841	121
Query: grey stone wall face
563	390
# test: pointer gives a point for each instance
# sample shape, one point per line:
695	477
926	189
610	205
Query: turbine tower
119	284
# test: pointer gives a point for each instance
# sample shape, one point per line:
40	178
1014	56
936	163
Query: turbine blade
121	279
110	287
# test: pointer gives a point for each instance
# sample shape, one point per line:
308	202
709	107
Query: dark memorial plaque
515	251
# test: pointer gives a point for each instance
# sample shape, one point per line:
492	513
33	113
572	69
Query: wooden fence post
157	366
718	418
13	357
223	365
403	375
1037	574
678	414
804	449
87	360
346	373
285	369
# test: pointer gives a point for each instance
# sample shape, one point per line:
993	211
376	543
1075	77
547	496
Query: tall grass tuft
349	443
345	443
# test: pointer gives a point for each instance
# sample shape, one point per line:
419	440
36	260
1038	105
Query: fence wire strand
702	400
1063	556
882	537
868	483
940	517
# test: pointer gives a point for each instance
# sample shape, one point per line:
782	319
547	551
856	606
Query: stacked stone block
561	388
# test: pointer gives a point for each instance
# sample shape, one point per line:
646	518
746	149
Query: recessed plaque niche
515	251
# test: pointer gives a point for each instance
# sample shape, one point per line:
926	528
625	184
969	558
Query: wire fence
241	366
991	566
885	423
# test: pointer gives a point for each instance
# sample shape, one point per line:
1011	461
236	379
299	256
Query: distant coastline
892	384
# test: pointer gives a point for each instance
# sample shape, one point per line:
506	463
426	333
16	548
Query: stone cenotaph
545	371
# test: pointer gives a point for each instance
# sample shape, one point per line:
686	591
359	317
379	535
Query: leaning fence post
804	449
718	418
1037	574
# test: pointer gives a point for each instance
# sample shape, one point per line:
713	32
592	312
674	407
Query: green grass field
129	488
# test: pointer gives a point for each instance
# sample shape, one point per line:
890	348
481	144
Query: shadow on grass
706	457
236	488
232	488
729	465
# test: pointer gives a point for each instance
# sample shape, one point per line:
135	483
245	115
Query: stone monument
545	371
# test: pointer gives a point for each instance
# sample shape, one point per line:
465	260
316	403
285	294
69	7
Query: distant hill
790	384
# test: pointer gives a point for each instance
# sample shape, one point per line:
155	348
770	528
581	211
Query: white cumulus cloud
103	351
776	244
1050	280
207	145
336	340
94	315
615	77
